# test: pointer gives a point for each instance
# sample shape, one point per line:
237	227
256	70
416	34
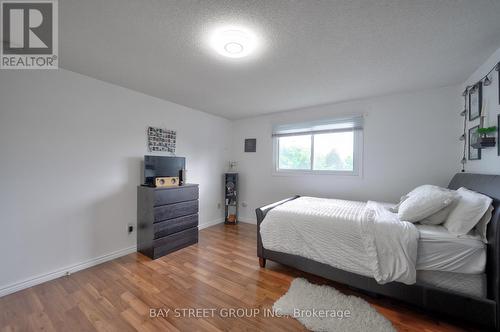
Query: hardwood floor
221	271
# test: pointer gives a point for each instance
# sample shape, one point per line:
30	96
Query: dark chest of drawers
167	219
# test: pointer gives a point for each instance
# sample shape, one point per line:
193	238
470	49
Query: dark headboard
488	185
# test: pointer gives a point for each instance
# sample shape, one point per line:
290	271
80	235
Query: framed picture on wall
475	101
474	154
250	144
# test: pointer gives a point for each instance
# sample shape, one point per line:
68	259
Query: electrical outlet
244	204
130	228
218	205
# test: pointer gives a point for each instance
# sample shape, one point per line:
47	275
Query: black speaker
182	177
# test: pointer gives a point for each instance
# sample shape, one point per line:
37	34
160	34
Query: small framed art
161	140
474	154
250	144
475	101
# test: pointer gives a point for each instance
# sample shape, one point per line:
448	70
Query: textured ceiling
313	52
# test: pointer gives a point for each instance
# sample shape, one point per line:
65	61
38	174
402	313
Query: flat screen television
155	166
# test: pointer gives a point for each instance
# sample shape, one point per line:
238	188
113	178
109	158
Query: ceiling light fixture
233	41
233	48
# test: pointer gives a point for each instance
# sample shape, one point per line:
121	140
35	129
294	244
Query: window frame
357	157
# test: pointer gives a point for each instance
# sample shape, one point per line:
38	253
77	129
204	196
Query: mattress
439	250
466	284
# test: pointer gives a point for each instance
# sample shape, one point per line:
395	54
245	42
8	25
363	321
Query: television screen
155	166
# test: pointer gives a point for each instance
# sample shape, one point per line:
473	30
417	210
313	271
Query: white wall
71	147
70	160
409	139
490	161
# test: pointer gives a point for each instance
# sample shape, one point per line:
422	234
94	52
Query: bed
440	279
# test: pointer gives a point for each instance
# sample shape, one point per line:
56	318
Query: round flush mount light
233	41
233	48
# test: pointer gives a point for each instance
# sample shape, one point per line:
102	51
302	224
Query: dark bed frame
482	311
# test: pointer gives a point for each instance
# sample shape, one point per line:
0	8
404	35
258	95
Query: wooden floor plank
220	272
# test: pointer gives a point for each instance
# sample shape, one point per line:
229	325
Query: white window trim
357	160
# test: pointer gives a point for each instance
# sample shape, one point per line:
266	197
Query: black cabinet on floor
167	219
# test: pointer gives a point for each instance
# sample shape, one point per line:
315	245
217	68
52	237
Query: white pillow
469	209
425	201
439	217
482	225
420	188
395	208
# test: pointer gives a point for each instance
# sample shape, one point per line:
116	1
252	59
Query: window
327	146
294	152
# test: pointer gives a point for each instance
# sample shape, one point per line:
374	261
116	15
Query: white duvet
358	237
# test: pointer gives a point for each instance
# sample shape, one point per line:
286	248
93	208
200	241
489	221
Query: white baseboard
210	223
33	281
248	220
15	287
